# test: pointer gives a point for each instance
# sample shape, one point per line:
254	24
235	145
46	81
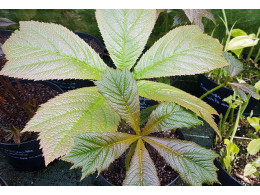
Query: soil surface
242	140
2	182
92	43
18	115
116	172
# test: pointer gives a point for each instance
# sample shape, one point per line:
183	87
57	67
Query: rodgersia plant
82	123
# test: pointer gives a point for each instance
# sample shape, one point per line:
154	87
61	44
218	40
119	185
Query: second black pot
28	156
215	99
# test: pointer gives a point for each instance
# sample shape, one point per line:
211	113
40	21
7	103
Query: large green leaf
162	92
183	51
42	51
120	90
142	170
78	111
191	161
96	151
125	33
169	115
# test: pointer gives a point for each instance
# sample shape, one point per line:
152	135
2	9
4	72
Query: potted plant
92	114
220	83
239	150
19	102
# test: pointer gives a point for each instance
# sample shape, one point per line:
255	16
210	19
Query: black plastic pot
2	182
224	177
28	156
215	99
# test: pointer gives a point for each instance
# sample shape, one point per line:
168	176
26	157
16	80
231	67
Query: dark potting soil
242	141
19	116
116	172
92	43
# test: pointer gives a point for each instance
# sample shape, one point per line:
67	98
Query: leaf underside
191	161
142	171
125	34
42	51
78	111
162	92
183	51
195	16
169	115
120	90
242	89
236	66
96	151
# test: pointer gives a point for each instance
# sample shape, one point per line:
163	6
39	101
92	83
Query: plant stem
236	125
252	48
232	115
123	125
257	56
224	120
212	90
166	21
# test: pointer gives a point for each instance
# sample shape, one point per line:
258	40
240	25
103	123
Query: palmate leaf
142	171
42	51
183	51
125	34
120	90
78	111
193	163
169	115
96	151
162	92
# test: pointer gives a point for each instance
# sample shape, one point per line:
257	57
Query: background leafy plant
42	51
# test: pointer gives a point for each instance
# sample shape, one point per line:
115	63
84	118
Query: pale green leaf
42	51
254	122
125	33
193	162
120	90
231	152
162	92
242	42
249	170
183	51
96	151
169	115
254	146
78	111
237	32
257	86
142	171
